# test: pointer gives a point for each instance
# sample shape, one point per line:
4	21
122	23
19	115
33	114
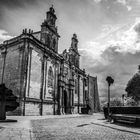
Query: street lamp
110	81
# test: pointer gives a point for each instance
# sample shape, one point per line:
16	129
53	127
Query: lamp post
110	81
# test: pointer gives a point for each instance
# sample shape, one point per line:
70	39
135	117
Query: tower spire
49	34
73	51
74	43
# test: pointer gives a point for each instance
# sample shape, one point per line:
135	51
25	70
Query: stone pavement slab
22	129
82	128
66	127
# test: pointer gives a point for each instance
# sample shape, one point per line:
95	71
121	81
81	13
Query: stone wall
48	109
12	73
35	76
12	70
32	109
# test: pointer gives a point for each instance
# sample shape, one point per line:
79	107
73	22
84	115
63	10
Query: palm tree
110	81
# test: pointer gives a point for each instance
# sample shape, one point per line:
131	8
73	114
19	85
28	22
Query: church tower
49	35
73	51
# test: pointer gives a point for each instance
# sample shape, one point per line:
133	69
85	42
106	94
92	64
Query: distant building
93	94
44	81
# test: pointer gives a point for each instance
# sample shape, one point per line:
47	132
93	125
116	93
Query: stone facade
44	81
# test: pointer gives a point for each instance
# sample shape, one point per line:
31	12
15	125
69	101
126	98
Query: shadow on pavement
116	128
131	125
82	125
102	119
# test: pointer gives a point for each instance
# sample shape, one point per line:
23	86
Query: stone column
72	101
78	93
45	75
61	100
69	98
55	87
60	95
63	108
72	93
29	72
42	84
71	88
84	96
24	71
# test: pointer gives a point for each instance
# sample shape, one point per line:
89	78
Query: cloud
121	66
123	41
129	8
130	39
16	3
97	1
125	3
126	41
4	36
122	2
120	59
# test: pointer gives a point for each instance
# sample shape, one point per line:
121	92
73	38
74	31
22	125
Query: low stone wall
122	110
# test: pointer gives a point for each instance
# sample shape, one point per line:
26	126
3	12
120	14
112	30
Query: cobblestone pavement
68	127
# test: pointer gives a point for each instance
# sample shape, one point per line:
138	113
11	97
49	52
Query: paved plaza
66	127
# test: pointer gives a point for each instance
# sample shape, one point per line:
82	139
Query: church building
45	81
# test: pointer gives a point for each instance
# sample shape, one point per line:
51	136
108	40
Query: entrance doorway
65	101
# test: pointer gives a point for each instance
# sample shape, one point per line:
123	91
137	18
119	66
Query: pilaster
78	93
42	84
24	71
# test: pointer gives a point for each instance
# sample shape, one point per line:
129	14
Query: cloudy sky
108	33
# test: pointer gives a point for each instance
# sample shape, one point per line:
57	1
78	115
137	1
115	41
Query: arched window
50	77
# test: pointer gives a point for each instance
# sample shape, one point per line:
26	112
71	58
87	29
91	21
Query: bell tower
73	51
49	34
